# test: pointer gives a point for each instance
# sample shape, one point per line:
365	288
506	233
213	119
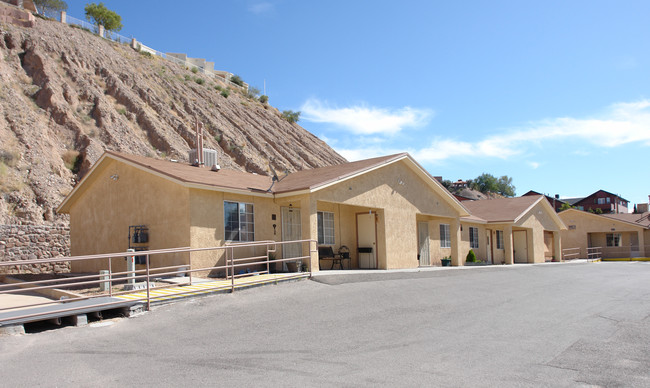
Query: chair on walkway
325	252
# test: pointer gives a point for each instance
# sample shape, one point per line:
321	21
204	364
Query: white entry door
423	242
488	246
291	230
367	238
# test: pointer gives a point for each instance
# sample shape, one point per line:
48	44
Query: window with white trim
473	237
500	239
614	240
325	228
445	237
239	221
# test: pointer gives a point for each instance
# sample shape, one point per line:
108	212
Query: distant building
555	202
607	202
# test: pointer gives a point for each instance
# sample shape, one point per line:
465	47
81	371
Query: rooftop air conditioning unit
209	157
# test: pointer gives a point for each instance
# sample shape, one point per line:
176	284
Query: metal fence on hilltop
115	37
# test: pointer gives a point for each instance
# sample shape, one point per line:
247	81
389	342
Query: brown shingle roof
639	219
502	209
183	172
317	177
300	180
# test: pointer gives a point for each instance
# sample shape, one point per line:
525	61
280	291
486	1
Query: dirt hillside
67	95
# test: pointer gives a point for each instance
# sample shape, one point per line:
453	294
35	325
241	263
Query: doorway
520	245
291	231
423	244
488	245
367	240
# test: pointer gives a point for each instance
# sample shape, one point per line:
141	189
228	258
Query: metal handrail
147	274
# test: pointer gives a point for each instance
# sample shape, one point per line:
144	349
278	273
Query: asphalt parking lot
546	325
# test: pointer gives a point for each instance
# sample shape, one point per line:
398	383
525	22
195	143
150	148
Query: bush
71	160
199	81
195	70
225	93
291	116
219	88
264	99
237	80
187	77
253	92
471	257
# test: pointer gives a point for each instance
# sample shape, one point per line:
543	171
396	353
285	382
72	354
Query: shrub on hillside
264	99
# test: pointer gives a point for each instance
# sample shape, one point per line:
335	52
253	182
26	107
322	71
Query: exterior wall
208	230
481	252
101	215
583	226
32	242
397	205
536	221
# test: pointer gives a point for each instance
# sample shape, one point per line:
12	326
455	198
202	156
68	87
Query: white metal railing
594	253
114	36
81	23
570	253
254	265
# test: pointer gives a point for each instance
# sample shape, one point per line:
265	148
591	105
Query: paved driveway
546	325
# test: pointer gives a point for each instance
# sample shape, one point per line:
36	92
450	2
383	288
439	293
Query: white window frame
614	239
326	233
245	225
445	236
473	237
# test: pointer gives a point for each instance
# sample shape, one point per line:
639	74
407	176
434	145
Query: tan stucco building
618	235
512	230
388	204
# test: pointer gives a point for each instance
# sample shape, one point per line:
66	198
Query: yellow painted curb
629	259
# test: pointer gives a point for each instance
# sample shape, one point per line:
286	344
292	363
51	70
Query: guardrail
594	253
110	35
109	279
570	253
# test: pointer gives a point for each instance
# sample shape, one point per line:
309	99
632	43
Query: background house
601	202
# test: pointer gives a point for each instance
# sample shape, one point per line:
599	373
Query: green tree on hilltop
50	7
99	14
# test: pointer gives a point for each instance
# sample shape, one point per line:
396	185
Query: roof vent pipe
198	161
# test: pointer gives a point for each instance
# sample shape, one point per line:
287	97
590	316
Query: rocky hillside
67	95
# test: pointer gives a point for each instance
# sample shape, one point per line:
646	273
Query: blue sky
553	94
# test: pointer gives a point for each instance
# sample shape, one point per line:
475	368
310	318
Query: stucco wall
536	221
399	195
582	224
101	215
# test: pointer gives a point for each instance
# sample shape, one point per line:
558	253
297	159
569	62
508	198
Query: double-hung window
445	237
239	221
499	239
473	237
325	228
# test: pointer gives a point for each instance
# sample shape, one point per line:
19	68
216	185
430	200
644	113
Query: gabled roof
573	201
323	176
501	209
247	183
183	172
638	220
508	210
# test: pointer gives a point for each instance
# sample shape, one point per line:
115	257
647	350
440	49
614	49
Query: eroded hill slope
66	95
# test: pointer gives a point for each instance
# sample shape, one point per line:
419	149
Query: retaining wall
31	242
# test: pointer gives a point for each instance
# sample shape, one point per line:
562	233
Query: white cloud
366	120
618	125
533	165
261	8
